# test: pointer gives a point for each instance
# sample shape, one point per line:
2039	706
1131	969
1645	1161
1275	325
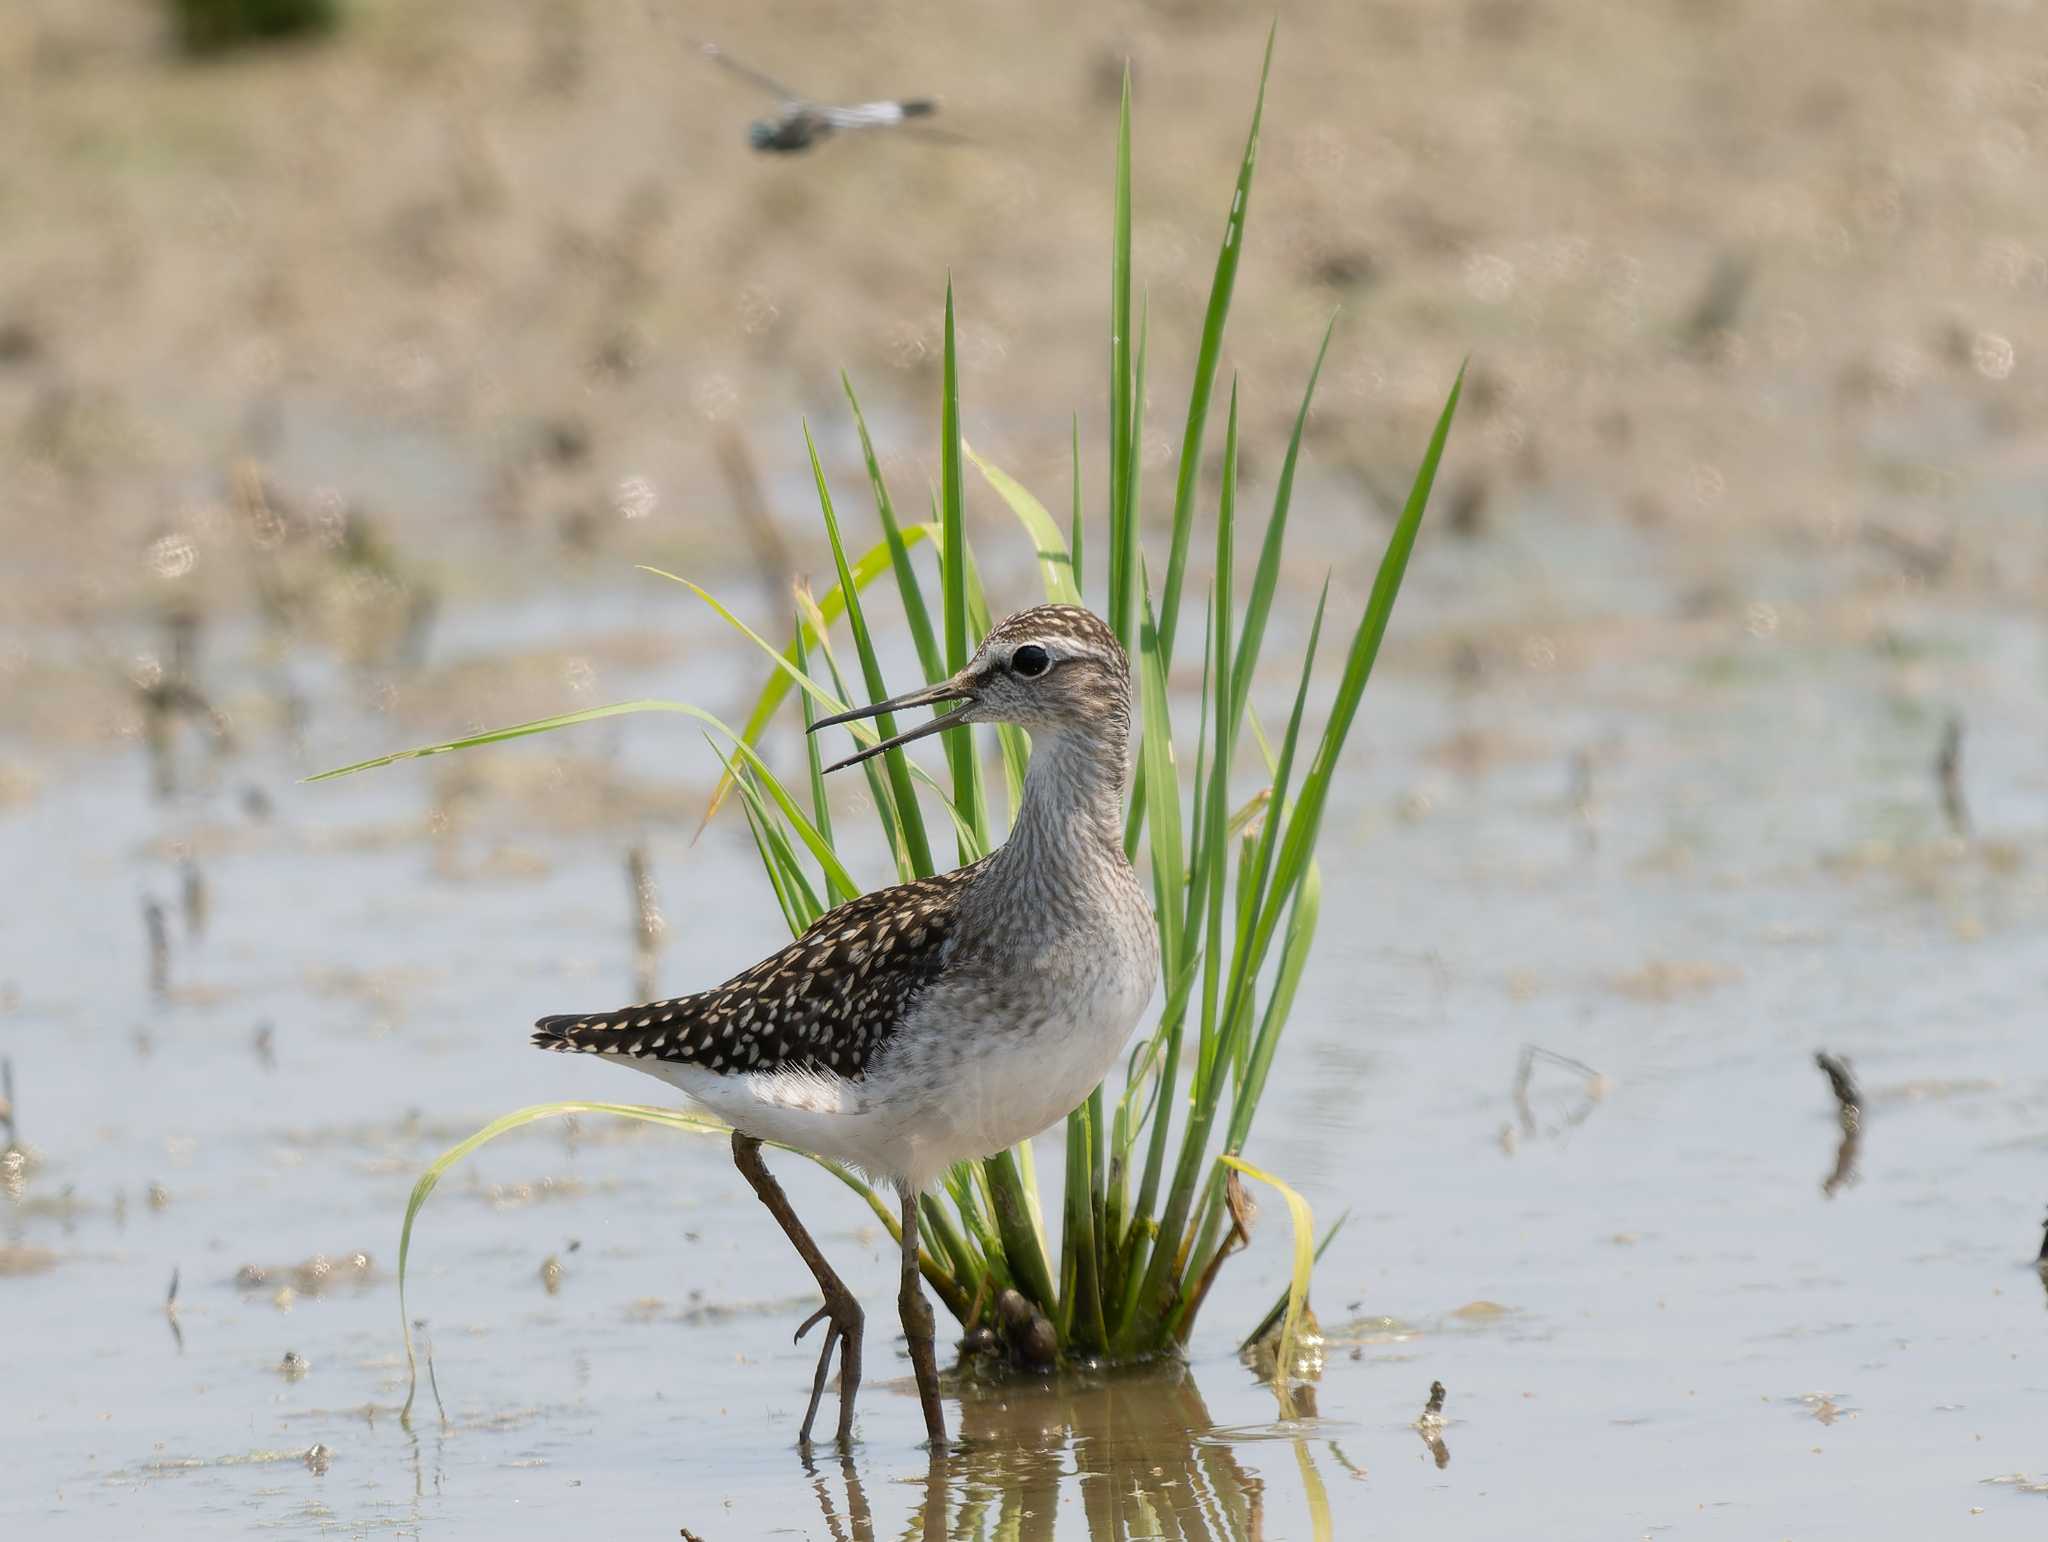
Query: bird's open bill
930	696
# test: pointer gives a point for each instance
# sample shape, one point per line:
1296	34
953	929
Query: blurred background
346	373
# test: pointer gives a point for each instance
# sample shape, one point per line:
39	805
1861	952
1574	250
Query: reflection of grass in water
1235	882
1140	1446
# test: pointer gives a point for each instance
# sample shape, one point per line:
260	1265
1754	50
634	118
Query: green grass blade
1008	735
500	735
1306	821
1304	1229
783	660
1301	933
787	898
1135	579
428	1180
814	763
1216	816
1196	897
1012	1205
831	605
1122	533
963	1263
1162	793
805	898
896	765
871	772
1298	843
1221	287
1082	1328
820	847
915	611
965	1184
952	503
1077	531
1055	565
1267	575
838	881
1278	1309
1252	891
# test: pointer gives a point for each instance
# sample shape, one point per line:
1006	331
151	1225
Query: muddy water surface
1678	837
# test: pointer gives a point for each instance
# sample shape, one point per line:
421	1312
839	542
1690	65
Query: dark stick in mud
171	1312
1849	1111
192	899
1948	776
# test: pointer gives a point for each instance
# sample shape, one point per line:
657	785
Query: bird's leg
841	1312
917	1326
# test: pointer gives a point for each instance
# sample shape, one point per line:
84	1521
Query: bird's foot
843	1320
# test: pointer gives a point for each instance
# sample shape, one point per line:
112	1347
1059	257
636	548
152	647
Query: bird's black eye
1030	661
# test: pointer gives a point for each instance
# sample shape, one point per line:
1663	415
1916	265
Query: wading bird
799	123
944	1019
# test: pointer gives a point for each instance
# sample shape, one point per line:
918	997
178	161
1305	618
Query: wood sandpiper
940	1020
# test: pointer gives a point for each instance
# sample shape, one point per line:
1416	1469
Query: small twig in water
1948	776
1849	1111
159	947
1842	1081
171	1312
7	1105
419	1327
1582	798
649	924
192	897
1430	1425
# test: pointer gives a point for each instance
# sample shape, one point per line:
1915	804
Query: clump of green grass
1146	1218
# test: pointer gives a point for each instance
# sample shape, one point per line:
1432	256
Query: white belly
954	1082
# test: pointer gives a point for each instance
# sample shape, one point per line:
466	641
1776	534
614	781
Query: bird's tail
571	1035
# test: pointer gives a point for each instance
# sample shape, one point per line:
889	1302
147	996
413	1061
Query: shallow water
1684	845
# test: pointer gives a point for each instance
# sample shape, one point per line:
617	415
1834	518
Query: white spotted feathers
826	1003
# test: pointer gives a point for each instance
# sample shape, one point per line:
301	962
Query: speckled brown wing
826	1003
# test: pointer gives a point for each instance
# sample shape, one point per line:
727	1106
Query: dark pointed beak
954	689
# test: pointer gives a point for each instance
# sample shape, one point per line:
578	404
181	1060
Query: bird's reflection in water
1136	1455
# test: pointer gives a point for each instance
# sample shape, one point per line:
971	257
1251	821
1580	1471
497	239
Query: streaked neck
1073	808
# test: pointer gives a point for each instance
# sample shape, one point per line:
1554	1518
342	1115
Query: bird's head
1052	669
